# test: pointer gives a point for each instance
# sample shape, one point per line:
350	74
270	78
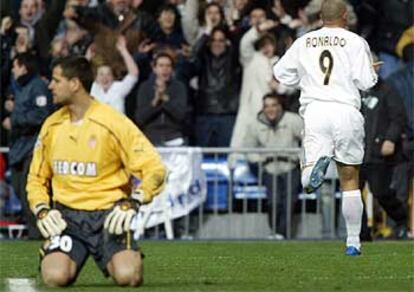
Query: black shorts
86	236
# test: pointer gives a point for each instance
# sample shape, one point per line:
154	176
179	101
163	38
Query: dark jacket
175	39
106	27
33	103
385	119
219	79
402	82
383	21
46	28
165	121
89	17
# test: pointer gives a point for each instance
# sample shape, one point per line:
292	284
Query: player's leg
313	176
58	270
62	257
348	176
352	206
364	172
126	268
317	146
117	256
349	154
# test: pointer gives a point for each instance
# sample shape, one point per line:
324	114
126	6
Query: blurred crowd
199	73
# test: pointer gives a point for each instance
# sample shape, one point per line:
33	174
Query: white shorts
334	130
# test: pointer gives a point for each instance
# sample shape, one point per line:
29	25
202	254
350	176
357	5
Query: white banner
185	190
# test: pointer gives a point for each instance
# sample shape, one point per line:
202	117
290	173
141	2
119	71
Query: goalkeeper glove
49	221
120	218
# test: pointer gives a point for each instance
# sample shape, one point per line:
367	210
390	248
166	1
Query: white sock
352	212
306	173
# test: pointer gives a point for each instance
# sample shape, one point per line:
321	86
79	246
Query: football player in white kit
330	66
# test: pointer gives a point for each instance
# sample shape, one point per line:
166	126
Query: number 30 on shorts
326	63
63	242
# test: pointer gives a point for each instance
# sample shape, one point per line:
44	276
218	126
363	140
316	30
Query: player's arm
286	69
49	221
363	72
142	161
40	173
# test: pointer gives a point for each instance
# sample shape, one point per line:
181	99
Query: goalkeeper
78	185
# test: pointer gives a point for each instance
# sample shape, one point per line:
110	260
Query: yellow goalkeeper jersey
88	165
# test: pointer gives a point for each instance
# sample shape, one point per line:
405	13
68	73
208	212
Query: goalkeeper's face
61	87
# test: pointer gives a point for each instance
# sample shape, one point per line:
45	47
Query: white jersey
116	94
329	64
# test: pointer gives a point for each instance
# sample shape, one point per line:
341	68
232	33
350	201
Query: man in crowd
276	128
30	107
162	105
217	68
385	124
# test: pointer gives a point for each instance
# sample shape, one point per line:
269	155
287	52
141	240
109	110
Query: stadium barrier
212	193
221	198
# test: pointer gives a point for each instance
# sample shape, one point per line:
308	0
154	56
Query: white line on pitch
20	285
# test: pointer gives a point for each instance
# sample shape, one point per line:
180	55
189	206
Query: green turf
242	266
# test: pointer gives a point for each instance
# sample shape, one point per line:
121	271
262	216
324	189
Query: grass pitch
240	266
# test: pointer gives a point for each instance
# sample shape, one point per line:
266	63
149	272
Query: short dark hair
163	54
265	39
29	61
221	28
77	67
173	9
273	95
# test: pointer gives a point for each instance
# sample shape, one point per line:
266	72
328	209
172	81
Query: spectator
110	19
121	15
162	105
169	30
70	34
387	21
29	15
111	92
257	75
41	27
385	120
194	26
402	82
6	45
170	37
216	65
256	16
33	103
235	12
276	128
